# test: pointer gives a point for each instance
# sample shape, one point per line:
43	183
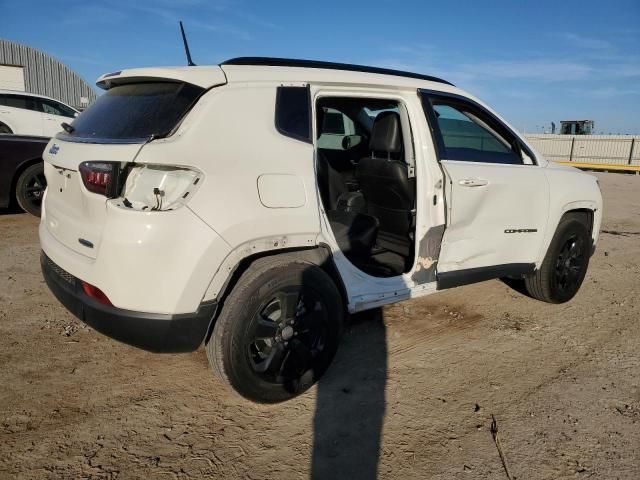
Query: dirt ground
410	394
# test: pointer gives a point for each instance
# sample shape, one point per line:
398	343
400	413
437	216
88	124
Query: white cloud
610	92
83	14
625	69
171	17
548	70
585	42
539	69
221	28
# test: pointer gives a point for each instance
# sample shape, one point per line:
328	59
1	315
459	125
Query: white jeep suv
249	205
24	113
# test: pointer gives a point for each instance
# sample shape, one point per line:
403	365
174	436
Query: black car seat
388	191
330	182
355	231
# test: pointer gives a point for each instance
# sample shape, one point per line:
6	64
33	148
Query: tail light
143	187
101	177
159	187
95	293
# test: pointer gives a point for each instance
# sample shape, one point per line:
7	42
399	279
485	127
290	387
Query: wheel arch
2	122
587	210
586	213
552	281
319	255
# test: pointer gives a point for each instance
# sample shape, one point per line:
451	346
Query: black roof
290	62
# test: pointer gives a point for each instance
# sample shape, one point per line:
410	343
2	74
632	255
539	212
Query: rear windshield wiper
67	128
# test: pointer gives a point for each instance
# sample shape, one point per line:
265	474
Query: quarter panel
231	137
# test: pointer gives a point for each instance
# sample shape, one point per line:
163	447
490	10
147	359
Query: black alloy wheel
569	264
30	188
278	329
287	334
565	265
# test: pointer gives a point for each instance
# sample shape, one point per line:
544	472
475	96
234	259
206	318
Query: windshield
134	112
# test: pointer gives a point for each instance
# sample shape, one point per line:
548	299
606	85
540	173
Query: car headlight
155	188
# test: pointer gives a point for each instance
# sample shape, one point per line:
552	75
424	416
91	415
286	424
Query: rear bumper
160	262
155	332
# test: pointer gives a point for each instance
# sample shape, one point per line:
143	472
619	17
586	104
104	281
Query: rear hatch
73	215
135	110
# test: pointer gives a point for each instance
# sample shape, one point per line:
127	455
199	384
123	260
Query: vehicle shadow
350	403
12	210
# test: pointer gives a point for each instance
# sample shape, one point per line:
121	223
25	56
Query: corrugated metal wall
45	75
621	150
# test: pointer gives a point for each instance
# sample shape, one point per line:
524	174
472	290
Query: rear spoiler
205	77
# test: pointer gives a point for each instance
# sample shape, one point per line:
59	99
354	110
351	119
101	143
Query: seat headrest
386	134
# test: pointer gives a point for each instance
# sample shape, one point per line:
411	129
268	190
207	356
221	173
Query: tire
5	129
30	188
516	284
565	264
257	349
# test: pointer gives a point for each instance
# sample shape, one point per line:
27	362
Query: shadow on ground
11	211
350	404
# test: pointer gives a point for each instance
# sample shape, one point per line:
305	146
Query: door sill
458	278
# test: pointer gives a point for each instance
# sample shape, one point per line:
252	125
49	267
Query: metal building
30	70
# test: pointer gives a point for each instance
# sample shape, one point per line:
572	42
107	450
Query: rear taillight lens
95	293
100	177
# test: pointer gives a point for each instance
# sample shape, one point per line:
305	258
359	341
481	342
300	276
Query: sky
533	62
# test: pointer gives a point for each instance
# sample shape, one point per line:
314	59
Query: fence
615	152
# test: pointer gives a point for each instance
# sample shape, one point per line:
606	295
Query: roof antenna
186	47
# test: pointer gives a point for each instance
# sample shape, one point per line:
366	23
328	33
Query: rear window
134	112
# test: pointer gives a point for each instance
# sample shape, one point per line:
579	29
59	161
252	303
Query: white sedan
25	113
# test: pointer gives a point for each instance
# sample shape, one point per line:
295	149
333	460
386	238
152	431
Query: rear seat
355	231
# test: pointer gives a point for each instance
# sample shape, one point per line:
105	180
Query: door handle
473	182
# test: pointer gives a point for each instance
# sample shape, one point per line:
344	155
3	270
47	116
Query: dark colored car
22	177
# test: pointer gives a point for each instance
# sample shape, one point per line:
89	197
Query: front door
497	197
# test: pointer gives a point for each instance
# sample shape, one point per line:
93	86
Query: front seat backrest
386	135
384	180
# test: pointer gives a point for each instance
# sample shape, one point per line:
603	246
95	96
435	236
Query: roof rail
290	62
